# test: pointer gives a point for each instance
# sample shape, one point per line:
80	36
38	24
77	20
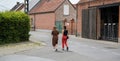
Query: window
66	9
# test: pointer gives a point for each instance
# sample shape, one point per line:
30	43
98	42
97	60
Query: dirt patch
18	47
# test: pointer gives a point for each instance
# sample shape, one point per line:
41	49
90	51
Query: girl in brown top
55	34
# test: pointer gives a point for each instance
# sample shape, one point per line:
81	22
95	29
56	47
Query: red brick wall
44	21
83	1
79	24
111	1
86	4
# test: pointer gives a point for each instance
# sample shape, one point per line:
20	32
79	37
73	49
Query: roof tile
47	6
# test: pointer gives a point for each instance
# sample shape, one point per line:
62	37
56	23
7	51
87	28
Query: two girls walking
55	34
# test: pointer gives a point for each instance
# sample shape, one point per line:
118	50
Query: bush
14	27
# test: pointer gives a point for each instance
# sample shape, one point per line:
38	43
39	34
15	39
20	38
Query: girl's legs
56	47
63	41
66	44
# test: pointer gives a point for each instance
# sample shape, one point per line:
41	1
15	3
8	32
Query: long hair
64	27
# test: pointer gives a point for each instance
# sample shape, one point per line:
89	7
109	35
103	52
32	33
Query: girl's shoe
63	49
67	48
56	50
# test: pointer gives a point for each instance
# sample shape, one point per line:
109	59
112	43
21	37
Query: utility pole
26	10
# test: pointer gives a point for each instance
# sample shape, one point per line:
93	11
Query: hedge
14	27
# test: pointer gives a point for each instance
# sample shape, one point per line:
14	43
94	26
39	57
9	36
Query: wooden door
92	23
85	23
89	23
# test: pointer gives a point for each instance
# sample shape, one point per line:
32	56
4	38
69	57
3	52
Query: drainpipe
34	23
76	20
103	2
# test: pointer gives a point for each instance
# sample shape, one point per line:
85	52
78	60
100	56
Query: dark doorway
109	23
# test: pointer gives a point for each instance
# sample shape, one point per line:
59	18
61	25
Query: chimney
18	3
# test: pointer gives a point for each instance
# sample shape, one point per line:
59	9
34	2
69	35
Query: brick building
99	19
49	13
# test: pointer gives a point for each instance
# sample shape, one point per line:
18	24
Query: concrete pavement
80	50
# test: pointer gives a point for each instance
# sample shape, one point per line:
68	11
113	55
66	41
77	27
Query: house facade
52	13
99	19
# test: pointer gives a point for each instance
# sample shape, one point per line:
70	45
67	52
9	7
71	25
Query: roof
32	3
18	6
48	6
8	4
75	5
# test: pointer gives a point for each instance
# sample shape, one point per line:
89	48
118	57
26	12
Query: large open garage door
109	23
89	23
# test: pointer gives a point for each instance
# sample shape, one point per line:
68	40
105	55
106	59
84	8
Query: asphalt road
79	50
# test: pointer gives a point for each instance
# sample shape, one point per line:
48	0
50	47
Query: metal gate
110	31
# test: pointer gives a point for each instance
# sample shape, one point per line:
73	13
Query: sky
74	1
8	4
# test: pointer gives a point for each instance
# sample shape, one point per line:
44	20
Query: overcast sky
8	4
74	1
